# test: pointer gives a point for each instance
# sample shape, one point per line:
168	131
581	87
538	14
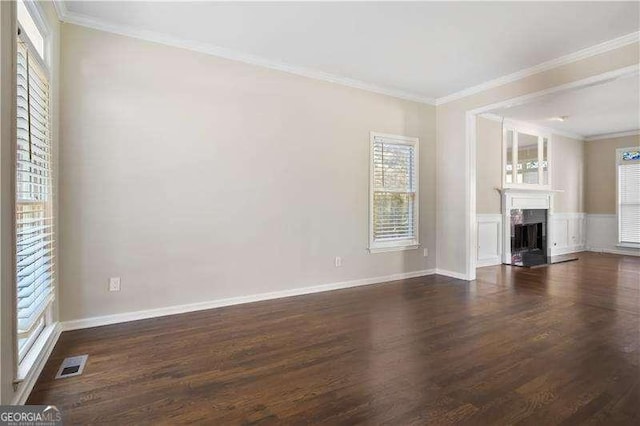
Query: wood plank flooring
552	345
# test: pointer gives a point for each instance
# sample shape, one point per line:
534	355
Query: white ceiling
611	107
429	49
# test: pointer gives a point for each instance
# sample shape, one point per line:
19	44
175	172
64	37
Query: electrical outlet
426	252
338	262
114	284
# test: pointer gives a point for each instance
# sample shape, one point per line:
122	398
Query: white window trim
515	127
619	162
25	364
396	245
38	15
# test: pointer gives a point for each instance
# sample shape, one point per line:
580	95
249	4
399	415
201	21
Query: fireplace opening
528	237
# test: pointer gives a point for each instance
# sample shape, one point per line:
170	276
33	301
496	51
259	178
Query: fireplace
528	237
526	226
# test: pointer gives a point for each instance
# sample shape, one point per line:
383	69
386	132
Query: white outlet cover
114	284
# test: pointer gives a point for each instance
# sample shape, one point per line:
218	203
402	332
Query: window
393	210
29	27
34	184
628	186
525	158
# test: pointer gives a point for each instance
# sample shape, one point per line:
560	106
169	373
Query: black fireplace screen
528	237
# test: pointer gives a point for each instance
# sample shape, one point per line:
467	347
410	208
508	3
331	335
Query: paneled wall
568	233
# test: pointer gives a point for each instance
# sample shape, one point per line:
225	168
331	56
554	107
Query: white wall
195	178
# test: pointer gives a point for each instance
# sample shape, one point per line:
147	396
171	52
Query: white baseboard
567	250
625	252
179	309
490	261
26	386
452	274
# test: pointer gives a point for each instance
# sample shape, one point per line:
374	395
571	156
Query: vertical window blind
629	203
34	222
394	188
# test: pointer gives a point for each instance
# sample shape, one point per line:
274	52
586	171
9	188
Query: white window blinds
34	223
394	183
629	203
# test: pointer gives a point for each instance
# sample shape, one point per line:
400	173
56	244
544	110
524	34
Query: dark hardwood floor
551	345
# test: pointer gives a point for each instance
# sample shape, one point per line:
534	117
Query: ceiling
427	49
612	107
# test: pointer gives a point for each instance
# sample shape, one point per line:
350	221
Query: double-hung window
34	251
393	197
628	189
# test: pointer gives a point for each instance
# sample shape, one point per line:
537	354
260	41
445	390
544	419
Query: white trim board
613	135
520	123
620	251
78	19
192	307
26	386
545	66
452	274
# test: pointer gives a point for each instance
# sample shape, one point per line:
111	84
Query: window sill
628	245
393	248
35	354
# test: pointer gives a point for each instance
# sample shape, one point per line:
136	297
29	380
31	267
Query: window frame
25	361
400	244
38	16
517	127
620	162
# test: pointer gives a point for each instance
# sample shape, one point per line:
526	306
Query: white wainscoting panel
602	235
489	239
568	233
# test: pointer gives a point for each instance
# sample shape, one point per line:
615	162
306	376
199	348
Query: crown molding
613	135
543	129
61	9
554	63
78	19
98	24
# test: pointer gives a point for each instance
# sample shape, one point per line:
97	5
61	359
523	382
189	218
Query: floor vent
72	366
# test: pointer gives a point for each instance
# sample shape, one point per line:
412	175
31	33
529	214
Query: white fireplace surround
513	199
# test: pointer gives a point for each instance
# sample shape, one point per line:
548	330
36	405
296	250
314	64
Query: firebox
528	237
